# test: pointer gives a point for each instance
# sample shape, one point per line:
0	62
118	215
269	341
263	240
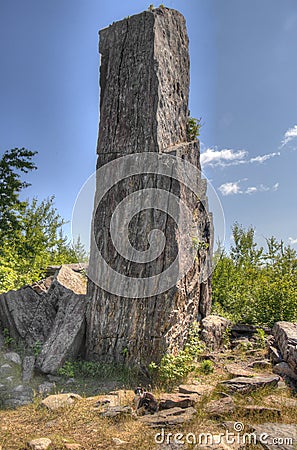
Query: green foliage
92	369
30	231
67	370
37	348
206	367
255	285
261	337
8	340
151	7
12	164
174	369
193	128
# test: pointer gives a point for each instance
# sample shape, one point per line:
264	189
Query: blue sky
243	85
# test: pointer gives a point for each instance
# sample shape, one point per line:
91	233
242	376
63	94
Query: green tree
12	164
255	285
31	232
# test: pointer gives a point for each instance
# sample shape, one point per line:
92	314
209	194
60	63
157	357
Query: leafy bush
193	128
206	367
174	369
255	285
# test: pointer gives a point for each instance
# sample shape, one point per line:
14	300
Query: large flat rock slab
245	384
169	417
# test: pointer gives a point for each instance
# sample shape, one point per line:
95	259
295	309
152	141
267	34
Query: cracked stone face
144	81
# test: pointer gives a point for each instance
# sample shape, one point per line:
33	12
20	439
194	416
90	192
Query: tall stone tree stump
144	81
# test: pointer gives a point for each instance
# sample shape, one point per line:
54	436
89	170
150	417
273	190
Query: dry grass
83	424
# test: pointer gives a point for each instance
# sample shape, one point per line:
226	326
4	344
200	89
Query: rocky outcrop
285	335
144	80
245	384
214	331
53	320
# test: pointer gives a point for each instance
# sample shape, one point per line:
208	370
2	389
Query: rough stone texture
54	318
58	401
40	444
199	389
277	431
168	401
144	80
28	368
217	408
169	417
285	370
213	329
244	384
13	357
285	334
66	338
116	411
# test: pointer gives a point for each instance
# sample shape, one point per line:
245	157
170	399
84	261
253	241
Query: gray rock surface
144	80
168	401
278	431
13	357
285	370
244	384
40	444
55	319
66	337
213	331
169	417
54	402
28	368
285	335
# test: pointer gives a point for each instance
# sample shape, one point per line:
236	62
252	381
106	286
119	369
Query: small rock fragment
40	444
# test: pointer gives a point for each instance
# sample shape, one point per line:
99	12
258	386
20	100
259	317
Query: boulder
274	354
169	417
66	337
244	384
199	389
213	331
285	370
54	317
168	401
19	396
39	444
13	357
285	335
58	401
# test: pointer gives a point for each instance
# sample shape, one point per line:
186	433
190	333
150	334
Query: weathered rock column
144	81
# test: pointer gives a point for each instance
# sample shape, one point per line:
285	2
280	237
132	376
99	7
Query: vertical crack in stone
144	80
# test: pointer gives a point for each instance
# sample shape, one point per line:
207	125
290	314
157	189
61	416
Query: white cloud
290	134
262	158
292	241
233	187
213	157
230	188
230	157
251	190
